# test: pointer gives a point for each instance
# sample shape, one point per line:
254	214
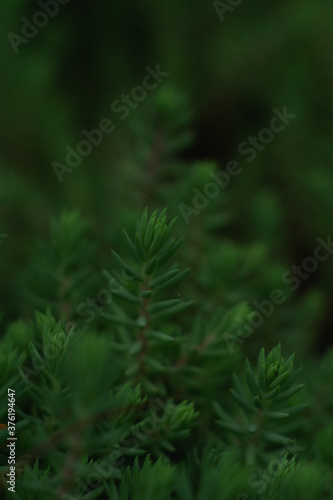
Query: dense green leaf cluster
134	377
135	404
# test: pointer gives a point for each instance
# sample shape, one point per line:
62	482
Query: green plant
136	406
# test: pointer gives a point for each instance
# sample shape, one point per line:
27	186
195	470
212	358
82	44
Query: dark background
226	76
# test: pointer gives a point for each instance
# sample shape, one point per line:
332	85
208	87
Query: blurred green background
225	78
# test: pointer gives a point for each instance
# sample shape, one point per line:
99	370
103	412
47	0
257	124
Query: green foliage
137	375
61	274
264	397
126	408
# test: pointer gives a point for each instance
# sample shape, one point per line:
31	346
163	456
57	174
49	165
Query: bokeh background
226	76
